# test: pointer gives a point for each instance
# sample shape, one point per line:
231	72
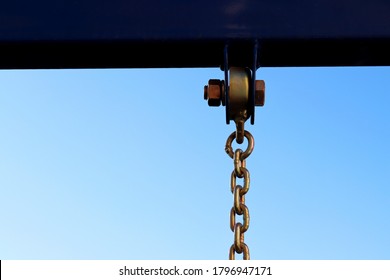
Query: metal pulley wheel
237	104
239	93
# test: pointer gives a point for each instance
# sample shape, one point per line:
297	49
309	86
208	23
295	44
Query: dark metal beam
47	34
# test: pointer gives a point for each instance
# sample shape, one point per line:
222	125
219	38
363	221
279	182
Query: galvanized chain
239	192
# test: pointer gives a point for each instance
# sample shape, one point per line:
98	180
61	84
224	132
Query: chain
239	207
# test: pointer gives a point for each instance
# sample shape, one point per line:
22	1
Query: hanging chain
240	92
239	207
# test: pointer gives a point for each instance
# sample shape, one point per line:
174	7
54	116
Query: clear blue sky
130	164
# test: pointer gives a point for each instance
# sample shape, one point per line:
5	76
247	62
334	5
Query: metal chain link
239	207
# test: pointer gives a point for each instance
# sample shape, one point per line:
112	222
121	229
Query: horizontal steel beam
47	34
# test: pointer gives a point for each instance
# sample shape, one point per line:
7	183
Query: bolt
260	93
214	93
206	95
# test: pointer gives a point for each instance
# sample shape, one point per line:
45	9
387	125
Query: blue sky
130	164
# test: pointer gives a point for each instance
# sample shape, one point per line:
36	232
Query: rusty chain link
239	207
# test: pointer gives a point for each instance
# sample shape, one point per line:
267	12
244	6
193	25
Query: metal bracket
240	92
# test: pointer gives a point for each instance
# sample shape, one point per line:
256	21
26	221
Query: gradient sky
130	164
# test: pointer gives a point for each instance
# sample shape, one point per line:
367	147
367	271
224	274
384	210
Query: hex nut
214	93
260	93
